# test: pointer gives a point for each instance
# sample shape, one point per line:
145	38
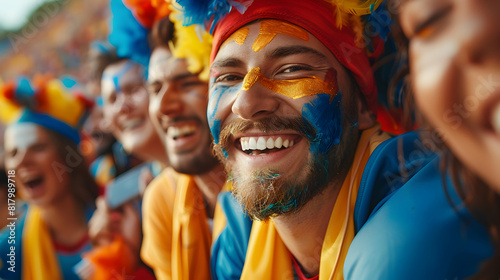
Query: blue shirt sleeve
230	248
418	230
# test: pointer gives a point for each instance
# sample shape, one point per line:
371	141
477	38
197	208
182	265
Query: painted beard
266	193
332	133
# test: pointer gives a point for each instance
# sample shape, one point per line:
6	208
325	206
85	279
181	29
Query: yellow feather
9	112
345	8
359	8
188	45
61	104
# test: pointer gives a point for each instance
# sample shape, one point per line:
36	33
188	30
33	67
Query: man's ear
366	118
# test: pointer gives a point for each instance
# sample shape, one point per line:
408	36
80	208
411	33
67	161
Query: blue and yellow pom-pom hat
56	104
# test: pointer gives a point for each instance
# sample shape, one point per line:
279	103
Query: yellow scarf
39	256
191	237
177	239
267	256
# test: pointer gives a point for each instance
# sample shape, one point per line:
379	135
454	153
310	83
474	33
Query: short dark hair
161	34
99	57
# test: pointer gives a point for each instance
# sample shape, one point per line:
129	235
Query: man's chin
266	194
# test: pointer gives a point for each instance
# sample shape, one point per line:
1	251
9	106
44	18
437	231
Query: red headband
317	17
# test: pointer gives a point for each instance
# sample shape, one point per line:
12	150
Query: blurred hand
106	224
144	179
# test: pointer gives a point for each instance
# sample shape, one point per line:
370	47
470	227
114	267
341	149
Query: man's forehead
268	29
118	75
163	65
271	38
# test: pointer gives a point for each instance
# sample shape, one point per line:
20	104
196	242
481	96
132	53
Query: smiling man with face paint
278	133
180	215
291	125
292	106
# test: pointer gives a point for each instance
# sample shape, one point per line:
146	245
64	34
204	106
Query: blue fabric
50	123
6	243
406	228
66	260
128	36
390	166
413	232
229	250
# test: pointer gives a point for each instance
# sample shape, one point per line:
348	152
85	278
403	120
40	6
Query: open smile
183	136
34	185
258	145
276	151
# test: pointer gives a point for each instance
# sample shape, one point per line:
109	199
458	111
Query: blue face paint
289	202
118	76
213	105
326	118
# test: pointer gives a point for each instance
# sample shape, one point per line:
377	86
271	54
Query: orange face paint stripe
295	88
270	27
251	78
239	36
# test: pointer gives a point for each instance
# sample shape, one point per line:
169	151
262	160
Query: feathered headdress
209	12
189	43
192	44
127	34
355	31
57	104
147	12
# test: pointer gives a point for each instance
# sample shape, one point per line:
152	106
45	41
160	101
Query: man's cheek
325	115
219	101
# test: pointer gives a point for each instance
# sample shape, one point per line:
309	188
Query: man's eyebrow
175	78
182	76
291	50
227	62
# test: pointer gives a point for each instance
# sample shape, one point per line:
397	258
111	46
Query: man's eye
192	83
228	78
296	68
111	99
154	89
429	25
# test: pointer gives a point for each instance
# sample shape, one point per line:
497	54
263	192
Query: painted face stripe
270	28
239	36
117	77
294	88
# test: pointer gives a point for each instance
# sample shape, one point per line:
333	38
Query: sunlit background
47	36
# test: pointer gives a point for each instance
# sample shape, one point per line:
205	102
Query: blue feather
128	36
24	93
209	12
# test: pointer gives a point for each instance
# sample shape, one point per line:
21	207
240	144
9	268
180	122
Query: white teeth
496	119
285	143
131	123
244	145
261	144
278	143
175	132
252	144
270	143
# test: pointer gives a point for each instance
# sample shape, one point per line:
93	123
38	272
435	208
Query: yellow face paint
239	36
294	88
251	78
270	27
